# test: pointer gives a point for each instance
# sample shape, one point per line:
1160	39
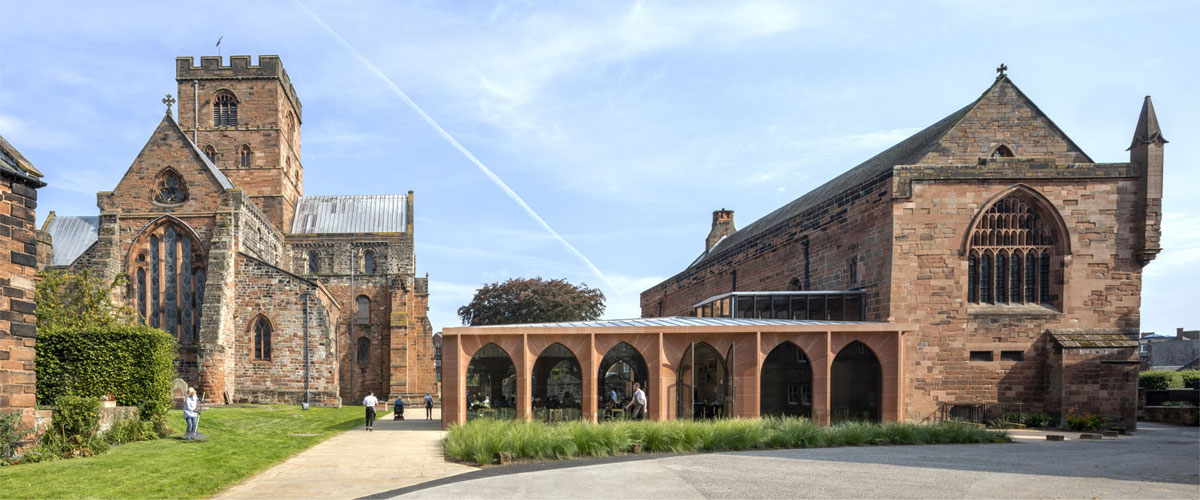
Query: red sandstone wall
1101	285
854	224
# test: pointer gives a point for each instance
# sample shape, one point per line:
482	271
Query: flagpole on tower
219	45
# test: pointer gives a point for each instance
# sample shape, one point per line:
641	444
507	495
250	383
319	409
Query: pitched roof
212	169
1095	337
379	213
71	236
906	152
12	161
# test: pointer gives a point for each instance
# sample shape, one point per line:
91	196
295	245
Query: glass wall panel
762	306
853	308
816	307
799	307
834	307
780	306
745	307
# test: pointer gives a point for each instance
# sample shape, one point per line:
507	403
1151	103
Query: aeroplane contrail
454	142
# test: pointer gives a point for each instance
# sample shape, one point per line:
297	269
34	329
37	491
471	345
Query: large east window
1012	253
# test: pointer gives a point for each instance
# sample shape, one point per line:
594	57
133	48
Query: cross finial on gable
168	100
1001	70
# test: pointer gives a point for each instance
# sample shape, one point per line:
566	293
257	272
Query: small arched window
262	339
362	313
169	188
1011	253
364	351
245	156
1002	151
314	262
210	152
225	109
369	262
291	126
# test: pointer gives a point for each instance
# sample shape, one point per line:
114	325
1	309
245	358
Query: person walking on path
191	414
638	402
428	407
369	402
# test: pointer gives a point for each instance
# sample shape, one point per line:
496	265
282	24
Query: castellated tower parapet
247	119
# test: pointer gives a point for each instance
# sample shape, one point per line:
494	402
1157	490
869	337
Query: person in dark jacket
398	409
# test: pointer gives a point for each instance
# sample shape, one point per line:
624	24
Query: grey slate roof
677	321
72	235
378	213
906	152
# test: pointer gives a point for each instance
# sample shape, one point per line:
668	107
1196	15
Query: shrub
1176	403
11	435
76	418
135	363
1159	379
479	440
1081	421
1189	379
130	430
1037	420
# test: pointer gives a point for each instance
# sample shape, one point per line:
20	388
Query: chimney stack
722	226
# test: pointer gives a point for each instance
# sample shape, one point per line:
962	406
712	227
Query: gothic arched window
169	279
291	127
1002	151
262	339
245	156
210	152
1011	252
369	262
169	188
225	109
364	351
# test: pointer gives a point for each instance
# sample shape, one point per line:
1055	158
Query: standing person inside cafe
428	406
369	403
638	402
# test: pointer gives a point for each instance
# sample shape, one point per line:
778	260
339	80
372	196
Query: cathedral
274	297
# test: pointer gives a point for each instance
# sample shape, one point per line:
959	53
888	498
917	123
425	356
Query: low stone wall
1179	415
110	415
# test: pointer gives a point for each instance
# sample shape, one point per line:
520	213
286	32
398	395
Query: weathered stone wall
266	291
18	271
1095	380
1100	288
269	119
851	228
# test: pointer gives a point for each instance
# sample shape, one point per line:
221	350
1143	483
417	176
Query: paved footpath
357	463
1158	461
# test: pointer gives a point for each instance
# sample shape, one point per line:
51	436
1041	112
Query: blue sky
623	125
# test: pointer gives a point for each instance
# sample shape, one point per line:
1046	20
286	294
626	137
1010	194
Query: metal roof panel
377	213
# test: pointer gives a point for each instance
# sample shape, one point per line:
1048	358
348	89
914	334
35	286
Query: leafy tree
75	301
532	301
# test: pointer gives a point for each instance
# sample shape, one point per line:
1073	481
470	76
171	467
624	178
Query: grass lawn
241	442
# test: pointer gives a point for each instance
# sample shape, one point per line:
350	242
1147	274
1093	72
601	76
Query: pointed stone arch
786	382
1036	200
168	263
1015	250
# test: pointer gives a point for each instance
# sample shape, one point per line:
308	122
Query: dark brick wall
18	272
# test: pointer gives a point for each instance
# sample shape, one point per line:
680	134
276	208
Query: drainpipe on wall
307	358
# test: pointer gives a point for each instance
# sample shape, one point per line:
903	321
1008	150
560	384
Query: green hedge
134	363
1158	380
1189	379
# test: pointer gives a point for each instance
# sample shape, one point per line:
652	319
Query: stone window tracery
169	281
210	152
262	339
225	109
1011	254
170	188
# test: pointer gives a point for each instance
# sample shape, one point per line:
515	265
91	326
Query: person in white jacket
191	414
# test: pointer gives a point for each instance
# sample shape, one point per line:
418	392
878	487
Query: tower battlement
239	67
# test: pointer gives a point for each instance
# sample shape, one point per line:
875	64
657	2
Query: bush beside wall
133	363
